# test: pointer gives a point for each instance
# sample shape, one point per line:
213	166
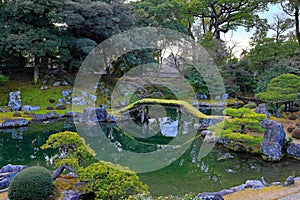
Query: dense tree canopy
60	33
50	35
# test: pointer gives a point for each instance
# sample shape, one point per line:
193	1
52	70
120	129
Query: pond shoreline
256	188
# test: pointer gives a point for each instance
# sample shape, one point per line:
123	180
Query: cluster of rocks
56	84
12	123
223	97
200	96
94	115
15	103
80	99
272	147
205	123
66	99
47	116
7	173
253	184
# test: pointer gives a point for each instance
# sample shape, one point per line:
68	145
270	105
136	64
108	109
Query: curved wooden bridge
183	105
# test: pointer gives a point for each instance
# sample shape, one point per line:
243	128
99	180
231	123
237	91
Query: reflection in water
22	145
218	170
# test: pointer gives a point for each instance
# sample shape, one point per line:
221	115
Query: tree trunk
297	25
36	70
60	170
219	43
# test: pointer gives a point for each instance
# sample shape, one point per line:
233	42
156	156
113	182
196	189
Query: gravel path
268	193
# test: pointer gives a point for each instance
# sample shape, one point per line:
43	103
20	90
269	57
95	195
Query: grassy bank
31	94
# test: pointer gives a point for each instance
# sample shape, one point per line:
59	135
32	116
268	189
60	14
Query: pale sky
242	38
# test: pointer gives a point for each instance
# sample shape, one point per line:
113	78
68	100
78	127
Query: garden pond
186	173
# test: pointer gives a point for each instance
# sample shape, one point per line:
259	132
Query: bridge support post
143	114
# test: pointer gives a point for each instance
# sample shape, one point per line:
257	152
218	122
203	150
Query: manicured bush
17	114
283	87
250	105
244	121
293	117
109	181
61	107
247	139
33	183
3	78
49	108
233	112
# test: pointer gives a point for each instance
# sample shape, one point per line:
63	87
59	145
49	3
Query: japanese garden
149	99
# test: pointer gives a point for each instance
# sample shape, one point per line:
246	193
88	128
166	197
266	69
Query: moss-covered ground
31	94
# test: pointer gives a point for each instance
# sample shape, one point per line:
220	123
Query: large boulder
52	115
7	173
101	114
294	150
4	183
70	195
30	108
11	123
262	109
12	168
111	118
67	92
78	101
89	115
274	132
15	103
39	117
254	184
210	196
271	151
289	181
274	137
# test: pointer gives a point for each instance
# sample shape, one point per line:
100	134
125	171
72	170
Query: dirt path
268	193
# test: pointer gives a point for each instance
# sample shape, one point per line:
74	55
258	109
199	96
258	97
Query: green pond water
184	174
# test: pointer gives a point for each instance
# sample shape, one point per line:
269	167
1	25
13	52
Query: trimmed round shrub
33	183
293	117
17	114
61	107
52	100
296	133
290	129
50	108
250	105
